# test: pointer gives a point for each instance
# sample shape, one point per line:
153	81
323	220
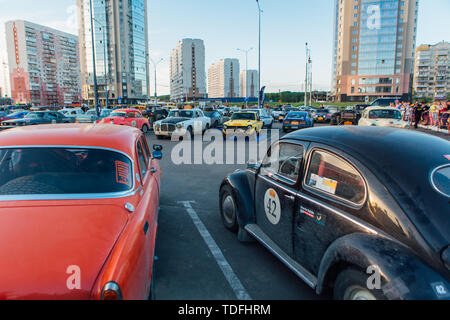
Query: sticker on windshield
324	184
447	156
272	206
123	175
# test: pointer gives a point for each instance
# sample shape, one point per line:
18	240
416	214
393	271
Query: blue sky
226	25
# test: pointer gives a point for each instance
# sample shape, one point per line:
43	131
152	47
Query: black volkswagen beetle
356	212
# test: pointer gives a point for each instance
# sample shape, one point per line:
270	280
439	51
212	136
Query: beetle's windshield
119	114
63	171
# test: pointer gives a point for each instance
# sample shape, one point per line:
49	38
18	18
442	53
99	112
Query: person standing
418	111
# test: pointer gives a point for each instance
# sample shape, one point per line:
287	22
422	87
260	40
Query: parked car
181	121
332	203
297	120
217	119
322	115
78	198
445	120
91	116
156	113
127	117
265	117
35	118
277	112
72	113
383	117
244	122
349	116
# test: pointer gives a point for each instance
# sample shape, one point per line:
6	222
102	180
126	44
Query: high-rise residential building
187	70
249	83
223	79
4	79
374	45
43	64
432	71
120	30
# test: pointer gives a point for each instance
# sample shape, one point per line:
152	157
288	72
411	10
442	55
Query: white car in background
382	117
265	116
72	113
180	121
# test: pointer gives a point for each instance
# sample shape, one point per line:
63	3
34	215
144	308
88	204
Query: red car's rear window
55	171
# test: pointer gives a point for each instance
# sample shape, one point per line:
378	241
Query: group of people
429	114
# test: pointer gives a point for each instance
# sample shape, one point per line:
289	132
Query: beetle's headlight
179	126
250	127
111	291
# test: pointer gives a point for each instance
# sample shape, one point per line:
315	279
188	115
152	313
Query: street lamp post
104	63
246	74
155	65
97	107
259	56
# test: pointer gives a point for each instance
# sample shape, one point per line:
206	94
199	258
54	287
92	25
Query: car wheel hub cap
228	209
358	293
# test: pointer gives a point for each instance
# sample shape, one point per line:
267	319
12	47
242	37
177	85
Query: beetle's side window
284	160
332	175
141	157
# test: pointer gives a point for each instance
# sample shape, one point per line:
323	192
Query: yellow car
244	122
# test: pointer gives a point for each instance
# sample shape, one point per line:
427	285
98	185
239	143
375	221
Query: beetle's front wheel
228	209
352	285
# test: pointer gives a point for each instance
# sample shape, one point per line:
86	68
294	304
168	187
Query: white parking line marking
228	272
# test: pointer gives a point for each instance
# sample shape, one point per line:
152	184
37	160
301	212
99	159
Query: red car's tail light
111	291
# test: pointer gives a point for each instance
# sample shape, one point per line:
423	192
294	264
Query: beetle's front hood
41	246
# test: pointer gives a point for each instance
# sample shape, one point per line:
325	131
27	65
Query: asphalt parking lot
186	267
197	258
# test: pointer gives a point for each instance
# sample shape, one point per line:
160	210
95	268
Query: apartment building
374	46
120	50
223	79
188	71
43	64
432	71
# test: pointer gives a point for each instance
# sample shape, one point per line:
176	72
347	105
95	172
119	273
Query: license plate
320	119
302	122
295	123
348	123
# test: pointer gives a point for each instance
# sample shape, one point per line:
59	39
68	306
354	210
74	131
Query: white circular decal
272	206
133	123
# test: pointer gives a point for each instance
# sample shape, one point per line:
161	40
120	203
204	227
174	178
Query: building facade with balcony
188	71
120	50
249	83
374	46
432	71
223	79
43	64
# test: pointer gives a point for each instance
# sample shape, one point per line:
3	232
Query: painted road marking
228	272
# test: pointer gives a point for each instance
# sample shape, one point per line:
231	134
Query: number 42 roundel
272	206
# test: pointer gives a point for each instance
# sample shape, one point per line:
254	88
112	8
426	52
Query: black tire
215	124
144	128
228	209
351	284
159	137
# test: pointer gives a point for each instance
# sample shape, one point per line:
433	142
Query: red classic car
128	117
78	212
